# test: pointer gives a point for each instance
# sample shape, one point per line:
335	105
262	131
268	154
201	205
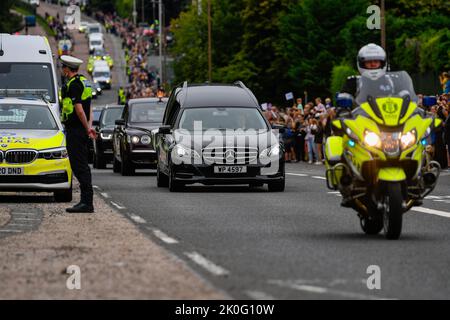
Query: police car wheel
63	196
116	165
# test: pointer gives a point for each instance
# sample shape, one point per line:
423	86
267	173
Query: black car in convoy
216	134
104	126
96	112
133	147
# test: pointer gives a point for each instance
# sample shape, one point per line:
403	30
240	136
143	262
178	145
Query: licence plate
230	169
11	171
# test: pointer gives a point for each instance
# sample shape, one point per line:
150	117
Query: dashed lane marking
118	206
164	237
137	219
258	295
325	291
431	211
319	177
298	174
206	264
105	195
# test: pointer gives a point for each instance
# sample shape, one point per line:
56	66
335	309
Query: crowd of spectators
137	43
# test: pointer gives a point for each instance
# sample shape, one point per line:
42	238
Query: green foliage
277	46
339	75
9	23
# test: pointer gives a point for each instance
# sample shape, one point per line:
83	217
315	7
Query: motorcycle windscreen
393	84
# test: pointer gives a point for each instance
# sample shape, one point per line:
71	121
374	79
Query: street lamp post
383	25
161	75
209	43
134	12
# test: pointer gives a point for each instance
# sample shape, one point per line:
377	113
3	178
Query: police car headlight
106	136
145	139
53	154
135	139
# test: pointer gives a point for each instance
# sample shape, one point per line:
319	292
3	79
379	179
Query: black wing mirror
95	123
120	122
165	130
278	127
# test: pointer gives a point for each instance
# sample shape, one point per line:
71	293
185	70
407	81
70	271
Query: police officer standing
77	118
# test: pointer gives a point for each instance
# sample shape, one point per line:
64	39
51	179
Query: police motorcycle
379	157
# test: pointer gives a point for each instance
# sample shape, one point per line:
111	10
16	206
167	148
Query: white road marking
11	231
118	206
105	195
24	213
20	225
27	219
319	177
258	295
137	219
432	211
164	237
298	174
96	187
206	264
322	290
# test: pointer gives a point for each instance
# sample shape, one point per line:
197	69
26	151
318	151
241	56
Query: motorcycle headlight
271	151
145	139
106	136
408	139
53	154
184	152
372	139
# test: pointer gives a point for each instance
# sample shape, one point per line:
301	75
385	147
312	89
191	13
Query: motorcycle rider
372	64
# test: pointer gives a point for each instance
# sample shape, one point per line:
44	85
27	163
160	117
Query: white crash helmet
372	52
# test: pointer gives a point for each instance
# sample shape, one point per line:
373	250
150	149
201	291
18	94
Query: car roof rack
243	86
26	93
184	91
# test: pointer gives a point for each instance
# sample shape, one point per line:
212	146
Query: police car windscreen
27	117
222	118
20	75
147	112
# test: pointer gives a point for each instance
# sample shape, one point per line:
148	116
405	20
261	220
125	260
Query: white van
102	76
93	28
95	42
26	62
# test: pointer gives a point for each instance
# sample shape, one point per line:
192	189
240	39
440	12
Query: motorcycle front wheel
393	212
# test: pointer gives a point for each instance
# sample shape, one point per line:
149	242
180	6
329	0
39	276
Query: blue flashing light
424	142
352	143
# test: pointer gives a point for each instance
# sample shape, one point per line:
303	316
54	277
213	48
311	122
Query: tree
9	23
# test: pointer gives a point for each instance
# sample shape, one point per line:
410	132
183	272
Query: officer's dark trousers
78	149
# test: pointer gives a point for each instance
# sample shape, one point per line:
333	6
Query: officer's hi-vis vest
122	97
67	105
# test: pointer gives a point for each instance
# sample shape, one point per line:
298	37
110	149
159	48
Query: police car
33	154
